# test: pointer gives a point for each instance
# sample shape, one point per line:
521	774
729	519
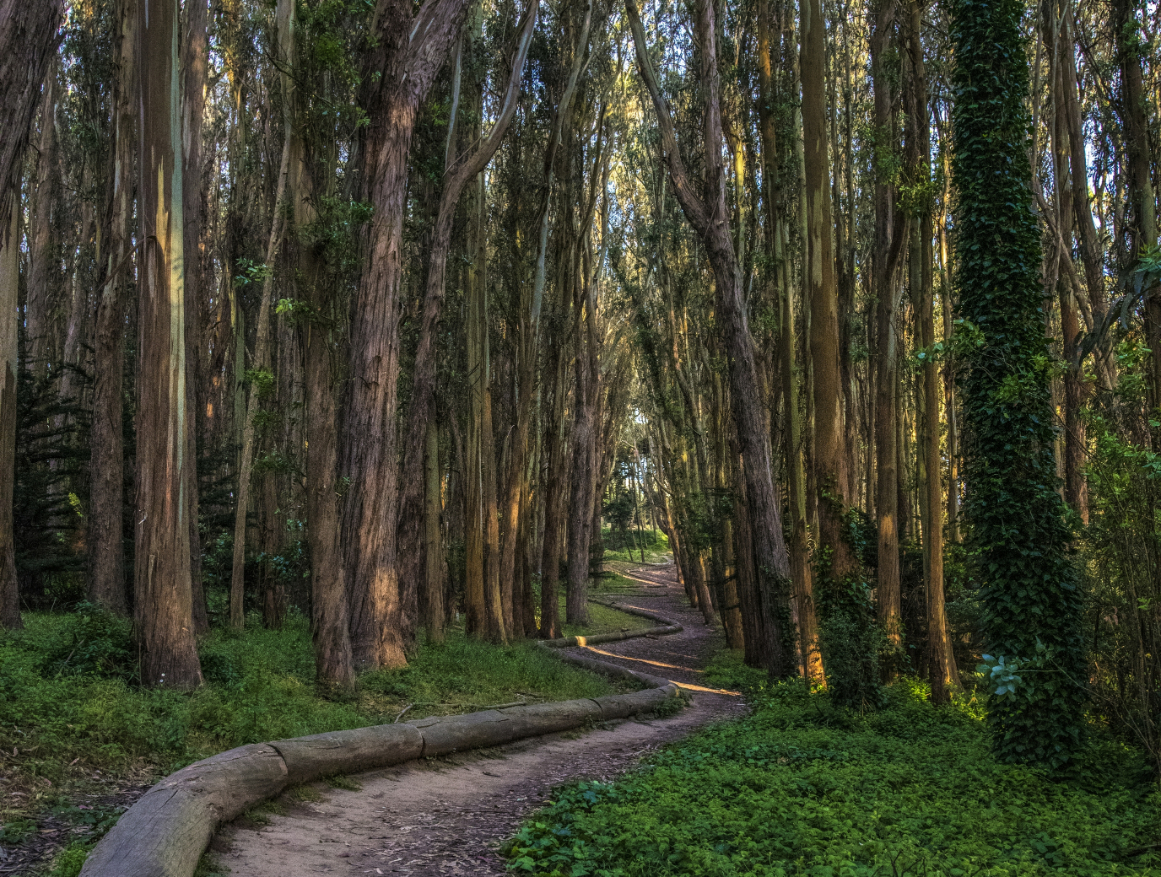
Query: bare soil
448	816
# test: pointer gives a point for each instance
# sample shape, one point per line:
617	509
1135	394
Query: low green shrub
803	788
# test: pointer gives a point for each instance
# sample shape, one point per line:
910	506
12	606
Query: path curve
445	818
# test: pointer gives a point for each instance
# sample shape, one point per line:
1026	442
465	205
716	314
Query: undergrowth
627	546
802	788
70	705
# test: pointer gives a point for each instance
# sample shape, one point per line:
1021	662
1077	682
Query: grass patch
801	788
602	619
70	704
627	546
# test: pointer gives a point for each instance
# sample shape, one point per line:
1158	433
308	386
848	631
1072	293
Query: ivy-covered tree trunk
1029	592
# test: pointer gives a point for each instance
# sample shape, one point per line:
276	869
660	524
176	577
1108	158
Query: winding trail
445	817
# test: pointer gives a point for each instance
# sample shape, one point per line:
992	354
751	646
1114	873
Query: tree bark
433	543
942	671
890	232
28	33
106	584
44	280
400	66
799	549
458	173
194	61
554	492
163	607
9	284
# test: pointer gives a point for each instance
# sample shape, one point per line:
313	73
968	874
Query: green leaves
1018	530
800	787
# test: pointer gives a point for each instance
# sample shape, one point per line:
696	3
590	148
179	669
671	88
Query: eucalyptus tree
27	37
405	51
707	213
106	585
163	607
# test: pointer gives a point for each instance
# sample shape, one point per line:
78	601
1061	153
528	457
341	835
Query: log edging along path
165	833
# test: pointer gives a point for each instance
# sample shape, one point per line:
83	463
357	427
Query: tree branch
695	209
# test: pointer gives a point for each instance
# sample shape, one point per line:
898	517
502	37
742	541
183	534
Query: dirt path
445	817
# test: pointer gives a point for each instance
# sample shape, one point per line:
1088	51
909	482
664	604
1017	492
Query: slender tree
707	214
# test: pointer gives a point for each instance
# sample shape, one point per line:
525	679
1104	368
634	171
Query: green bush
803	788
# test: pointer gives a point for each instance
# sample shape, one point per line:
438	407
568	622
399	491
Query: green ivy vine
1029	593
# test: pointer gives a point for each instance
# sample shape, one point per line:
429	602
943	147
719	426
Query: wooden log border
165	833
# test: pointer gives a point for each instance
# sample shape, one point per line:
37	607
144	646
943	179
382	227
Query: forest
349	348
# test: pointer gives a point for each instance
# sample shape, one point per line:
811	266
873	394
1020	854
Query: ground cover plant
73	717
627	545
802	788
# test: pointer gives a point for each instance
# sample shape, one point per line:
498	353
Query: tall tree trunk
799	549
400	68
195	59
434	582
554	492
458	173
334	663
261	364
847	650
943	674
44	279
887	290
707	214
106	584
27	40
531	305
580	515
9	283
163	608
1075	484
330	611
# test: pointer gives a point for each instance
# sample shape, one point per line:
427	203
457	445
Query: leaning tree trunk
707	214
163	608
458	173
